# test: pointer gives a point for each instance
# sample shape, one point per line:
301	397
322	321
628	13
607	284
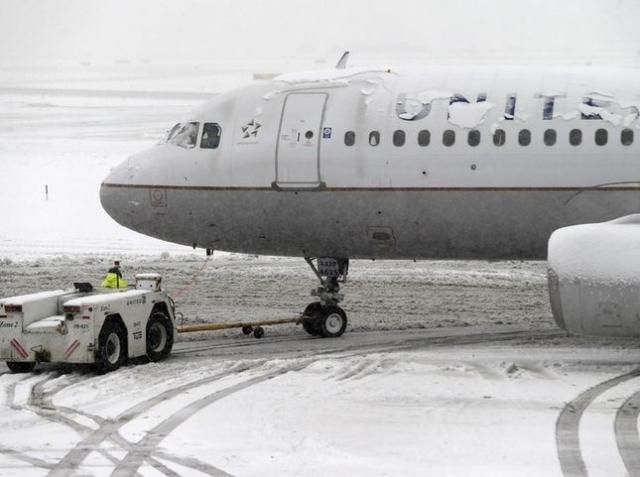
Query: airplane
438	162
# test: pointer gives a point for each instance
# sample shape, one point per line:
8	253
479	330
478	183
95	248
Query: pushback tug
102	327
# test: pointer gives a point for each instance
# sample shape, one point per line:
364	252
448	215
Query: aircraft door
298	149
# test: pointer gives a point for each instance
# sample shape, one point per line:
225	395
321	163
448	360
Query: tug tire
159	337
112	347
21	366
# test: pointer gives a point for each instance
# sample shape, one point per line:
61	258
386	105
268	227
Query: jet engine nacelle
594	277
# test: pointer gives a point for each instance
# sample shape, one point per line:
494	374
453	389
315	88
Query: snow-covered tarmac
446	369
465	391
446	402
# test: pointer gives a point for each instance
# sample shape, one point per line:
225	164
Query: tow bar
248	327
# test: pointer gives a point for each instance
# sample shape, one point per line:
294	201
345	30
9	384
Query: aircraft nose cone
114	194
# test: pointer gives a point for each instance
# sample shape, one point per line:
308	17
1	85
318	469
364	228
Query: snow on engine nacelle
594	277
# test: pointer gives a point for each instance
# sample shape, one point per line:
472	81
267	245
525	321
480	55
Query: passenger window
499	137
474	137
399	138
449	138
424	138
186	136
550	137
524	138
602	137
575	137
210	136
626	137
349	138
374	138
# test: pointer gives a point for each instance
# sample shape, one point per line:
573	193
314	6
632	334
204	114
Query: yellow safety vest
112	280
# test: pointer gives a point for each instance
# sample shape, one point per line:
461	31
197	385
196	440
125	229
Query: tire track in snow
352	349
190	462
148	445
41	403
359	370
475	338
42	406
568	425
198	346
32	461
627	437
10	393
404	343
44	402
160	467
109	428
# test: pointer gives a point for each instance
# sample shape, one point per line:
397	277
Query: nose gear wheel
328	321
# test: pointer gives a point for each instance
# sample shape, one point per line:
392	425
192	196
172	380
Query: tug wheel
247	330
21	366
258	332
159	337
111	347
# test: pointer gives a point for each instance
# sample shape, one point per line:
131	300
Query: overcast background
200	32
86	83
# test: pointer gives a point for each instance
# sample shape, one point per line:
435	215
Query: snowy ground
446	369
479	401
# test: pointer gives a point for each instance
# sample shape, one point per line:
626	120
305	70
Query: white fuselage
450	162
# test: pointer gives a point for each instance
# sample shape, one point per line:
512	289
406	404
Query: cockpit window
210	136
173	132
185	135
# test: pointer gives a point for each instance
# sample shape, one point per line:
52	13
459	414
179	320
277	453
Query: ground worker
114	277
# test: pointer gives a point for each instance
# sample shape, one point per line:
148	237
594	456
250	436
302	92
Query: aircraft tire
21	366
312	322
333	322
312	327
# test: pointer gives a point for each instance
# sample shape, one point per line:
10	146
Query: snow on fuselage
442	162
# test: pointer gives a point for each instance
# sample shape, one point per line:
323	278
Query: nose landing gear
325	318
